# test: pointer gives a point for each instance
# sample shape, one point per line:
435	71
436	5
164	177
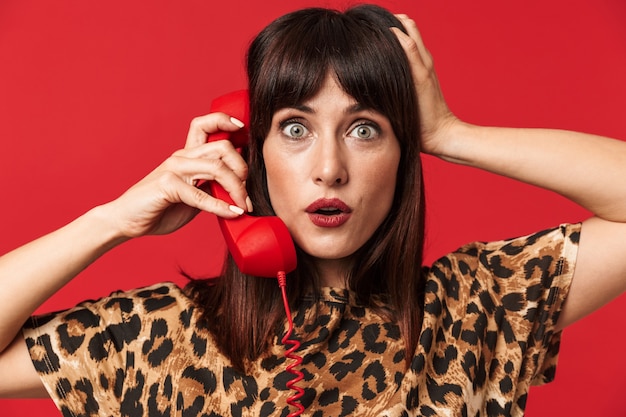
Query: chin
324	254
329	248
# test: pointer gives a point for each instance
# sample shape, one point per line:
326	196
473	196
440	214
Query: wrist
452	140
104	227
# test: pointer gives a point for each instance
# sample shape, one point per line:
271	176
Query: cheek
382	190
381	178
278	174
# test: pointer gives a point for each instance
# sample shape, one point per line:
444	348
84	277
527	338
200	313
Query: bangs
301	49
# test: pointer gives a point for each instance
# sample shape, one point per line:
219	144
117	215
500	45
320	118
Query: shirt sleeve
86	355
553	286
506	297
531	277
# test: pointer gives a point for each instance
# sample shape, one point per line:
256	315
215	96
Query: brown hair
287	64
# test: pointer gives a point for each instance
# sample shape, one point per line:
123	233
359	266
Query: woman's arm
30	275
590	170
162	202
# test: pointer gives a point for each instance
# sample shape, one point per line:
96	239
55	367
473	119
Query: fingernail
235	209
237	122
249	205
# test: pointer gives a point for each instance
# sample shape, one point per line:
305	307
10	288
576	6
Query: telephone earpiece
261	246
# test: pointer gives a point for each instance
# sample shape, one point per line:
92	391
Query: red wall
93	95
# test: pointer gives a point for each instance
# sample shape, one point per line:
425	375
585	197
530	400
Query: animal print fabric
487	334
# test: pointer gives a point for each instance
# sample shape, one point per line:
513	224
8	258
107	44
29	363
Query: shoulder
121	304
512	274
154	298
553	249
119	318
520	284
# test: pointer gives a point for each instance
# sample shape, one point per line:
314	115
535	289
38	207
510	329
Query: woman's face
331	173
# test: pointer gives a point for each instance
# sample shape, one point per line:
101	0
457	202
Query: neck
333	272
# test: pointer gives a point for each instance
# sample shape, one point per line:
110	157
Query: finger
418	67
192	170
200	127
222	150
181	192
414	33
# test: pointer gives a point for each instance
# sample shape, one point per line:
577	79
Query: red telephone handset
260	246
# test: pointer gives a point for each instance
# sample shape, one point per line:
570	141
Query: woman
334	154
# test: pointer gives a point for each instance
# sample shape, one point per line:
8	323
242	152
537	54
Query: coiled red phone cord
290	353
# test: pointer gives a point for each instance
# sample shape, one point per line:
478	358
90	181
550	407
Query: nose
330	162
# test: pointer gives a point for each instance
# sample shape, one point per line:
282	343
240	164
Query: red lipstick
328	212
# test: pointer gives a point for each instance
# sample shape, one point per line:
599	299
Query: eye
294	130
364	131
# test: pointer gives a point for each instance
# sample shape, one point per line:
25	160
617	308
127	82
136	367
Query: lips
328	212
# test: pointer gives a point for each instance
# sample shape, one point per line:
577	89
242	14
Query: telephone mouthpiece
260	246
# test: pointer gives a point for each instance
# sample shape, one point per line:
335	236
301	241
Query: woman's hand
435	117
168	197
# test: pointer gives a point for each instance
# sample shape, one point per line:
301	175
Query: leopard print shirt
487	334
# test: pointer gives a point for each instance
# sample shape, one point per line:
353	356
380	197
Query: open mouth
328	212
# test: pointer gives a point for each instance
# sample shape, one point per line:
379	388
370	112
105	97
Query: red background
93	95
